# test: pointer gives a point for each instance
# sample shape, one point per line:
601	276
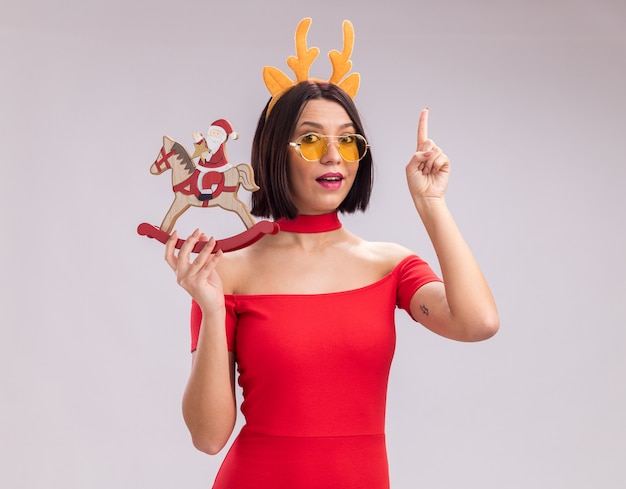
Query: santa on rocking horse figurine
213	181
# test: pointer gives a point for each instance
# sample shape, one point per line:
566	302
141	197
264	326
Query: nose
332	156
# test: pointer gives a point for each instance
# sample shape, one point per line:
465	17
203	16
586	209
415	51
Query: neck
320	223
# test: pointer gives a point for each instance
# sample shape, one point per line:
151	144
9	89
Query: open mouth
330	178
330	182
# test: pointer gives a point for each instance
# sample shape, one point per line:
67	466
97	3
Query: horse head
163	160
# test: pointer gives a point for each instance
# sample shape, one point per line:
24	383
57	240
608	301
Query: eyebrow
320	126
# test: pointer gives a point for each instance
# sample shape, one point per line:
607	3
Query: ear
350	84
168	143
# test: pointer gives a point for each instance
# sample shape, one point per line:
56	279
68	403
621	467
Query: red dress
314	372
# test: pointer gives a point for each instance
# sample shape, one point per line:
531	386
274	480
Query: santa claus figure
213	161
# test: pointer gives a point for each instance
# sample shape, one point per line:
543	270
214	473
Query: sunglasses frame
329	140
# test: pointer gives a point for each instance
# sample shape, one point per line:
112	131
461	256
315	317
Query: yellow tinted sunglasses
313	146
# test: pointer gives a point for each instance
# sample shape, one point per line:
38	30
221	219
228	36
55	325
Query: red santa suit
210	173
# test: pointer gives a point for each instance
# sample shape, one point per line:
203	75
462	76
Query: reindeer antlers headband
278	83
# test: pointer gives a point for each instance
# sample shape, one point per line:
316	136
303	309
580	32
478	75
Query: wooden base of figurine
241	240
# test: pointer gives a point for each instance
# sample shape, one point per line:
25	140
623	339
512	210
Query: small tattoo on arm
424	309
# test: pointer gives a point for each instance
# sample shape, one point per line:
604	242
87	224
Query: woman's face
319	187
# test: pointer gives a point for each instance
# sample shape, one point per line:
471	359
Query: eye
347	139
310	138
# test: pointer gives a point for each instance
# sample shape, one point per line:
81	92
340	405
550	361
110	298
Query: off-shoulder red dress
314	371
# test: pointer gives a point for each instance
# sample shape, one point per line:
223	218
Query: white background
527	98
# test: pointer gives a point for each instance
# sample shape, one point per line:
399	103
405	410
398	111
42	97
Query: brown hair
270	151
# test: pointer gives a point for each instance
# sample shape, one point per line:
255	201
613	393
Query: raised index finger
422	128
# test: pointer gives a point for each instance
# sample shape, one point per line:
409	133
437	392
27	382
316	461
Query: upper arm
429	307
231	367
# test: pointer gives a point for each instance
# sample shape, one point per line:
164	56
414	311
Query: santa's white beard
214	144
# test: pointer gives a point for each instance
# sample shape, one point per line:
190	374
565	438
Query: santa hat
225	128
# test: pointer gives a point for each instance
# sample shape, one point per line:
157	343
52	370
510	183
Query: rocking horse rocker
212	182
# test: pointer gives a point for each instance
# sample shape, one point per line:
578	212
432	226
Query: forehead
324	114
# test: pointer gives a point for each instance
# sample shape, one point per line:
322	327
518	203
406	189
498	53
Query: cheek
295	176
354	170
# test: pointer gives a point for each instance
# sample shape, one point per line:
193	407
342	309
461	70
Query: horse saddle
204	185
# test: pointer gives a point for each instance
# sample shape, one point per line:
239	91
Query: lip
330	181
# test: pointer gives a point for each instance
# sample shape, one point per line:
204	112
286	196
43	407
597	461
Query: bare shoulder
233	268
238	268
389	253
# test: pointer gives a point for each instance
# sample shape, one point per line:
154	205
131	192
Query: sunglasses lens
313	147
352	148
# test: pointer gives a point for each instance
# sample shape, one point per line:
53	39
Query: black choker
320	223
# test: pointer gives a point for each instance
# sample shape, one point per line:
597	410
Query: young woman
307	315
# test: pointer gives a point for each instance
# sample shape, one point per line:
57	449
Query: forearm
472	310
209	406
